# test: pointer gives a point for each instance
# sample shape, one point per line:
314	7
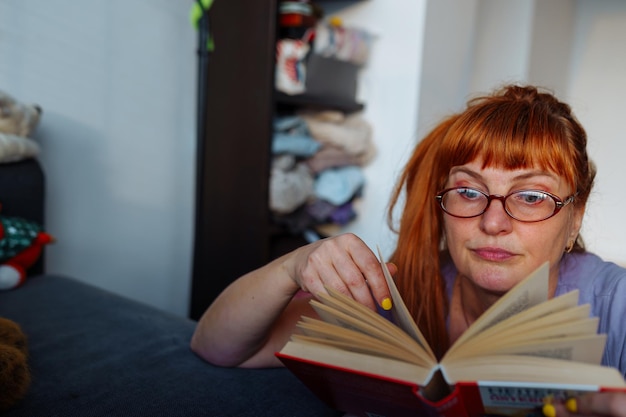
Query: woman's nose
495	219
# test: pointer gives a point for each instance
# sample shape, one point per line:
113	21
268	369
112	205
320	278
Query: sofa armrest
22	190
93	353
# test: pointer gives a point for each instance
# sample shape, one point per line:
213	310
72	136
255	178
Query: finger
603	404
386	302
318	274
355	281
333	264
352	260
372	270
346	264
330	265
557	410
393	269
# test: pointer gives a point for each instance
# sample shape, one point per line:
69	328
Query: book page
531	291
340	302
319	329
327	355
568	301
531	369
400	312
544	329
567	323
387	331
580	328
588	349
581	348
365	345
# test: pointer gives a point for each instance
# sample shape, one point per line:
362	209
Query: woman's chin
496	281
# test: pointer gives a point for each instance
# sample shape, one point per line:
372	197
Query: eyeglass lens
526	205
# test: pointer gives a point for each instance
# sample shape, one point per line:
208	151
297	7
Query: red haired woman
488	196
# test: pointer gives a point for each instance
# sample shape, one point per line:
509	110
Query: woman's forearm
241	320
255	316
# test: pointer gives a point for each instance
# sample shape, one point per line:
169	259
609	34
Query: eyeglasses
523	205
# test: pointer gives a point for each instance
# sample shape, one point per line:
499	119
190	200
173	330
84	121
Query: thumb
605	403
393	269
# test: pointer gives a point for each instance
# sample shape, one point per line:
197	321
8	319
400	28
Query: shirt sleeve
602	285
609	304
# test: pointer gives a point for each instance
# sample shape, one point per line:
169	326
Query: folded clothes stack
316	174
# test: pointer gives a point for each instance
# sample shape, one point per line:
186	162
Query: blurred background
118	84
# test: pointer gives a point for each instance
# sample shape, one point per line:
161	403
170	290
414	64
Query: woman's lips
493	254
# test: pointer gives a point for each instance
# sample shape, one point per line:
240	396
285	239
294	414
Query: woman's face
496	251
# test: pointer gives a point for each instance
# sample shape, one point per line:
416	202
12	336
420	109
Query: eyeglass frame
558	202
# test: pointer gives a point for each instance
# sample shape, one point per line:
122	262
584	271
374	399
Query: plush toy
21	241
14	372
21	244
17	118
17	122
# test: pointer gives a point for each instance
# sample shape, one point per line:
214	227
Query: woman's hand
344	263
257	313
605	404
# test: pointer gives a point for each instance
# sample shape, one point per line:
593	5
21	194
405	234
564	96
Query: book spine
461	402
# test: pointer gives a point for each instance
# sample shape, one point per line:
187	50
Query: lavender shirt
602	285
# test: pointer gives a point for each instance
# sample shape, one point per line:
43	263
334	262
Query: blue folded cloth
338	186
291	136
299	145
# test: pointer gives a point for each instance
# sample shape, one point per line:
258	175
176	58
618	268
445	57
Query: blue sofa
95	353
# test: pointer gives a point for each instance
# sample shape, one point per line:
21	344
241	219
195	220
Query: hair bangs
509	136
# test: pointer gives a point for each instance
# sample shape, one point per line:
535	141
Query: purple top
602	285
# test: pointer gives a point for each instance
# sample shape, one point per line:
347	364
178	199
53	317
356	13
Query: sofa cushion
93	353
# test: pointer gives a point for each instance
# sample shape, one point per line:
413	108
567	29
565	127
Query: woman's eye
469	193
531	197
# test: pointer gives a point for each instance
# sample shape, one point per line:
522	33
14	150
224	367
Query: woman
489	195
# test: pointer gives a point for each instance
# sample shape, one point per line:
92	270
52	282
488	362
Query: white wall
503	39
447	61
598	93
116	81
389	87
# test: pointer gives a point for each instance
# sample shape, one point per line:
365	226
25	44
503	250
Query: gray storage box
331	78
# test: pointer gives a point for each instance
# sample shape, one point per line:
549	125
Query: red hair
516	127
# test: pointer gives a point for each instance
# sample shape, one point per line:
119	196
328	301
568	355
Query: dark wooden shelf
233	238
316	102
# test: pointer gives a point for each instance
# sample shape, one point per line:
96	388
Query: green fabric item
19	234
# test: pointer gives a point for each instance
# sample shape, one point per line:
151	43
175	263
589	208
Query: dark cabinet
233	231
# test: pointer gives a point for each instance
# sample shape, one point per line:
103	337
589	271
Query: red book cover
369	395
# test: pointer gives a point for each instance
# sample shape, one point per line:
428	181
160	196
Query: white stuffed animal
17	118
17	122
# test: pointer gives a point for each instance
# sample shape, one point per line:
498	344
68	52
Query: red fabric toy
21	244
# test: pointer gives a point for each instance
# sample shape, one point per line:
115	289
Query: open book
523	350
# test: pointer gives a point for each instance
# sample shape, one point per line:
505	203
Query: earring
570	246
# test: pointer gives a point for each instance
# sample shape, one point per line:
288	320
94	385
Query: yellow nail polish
386	304
548	410
571	405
